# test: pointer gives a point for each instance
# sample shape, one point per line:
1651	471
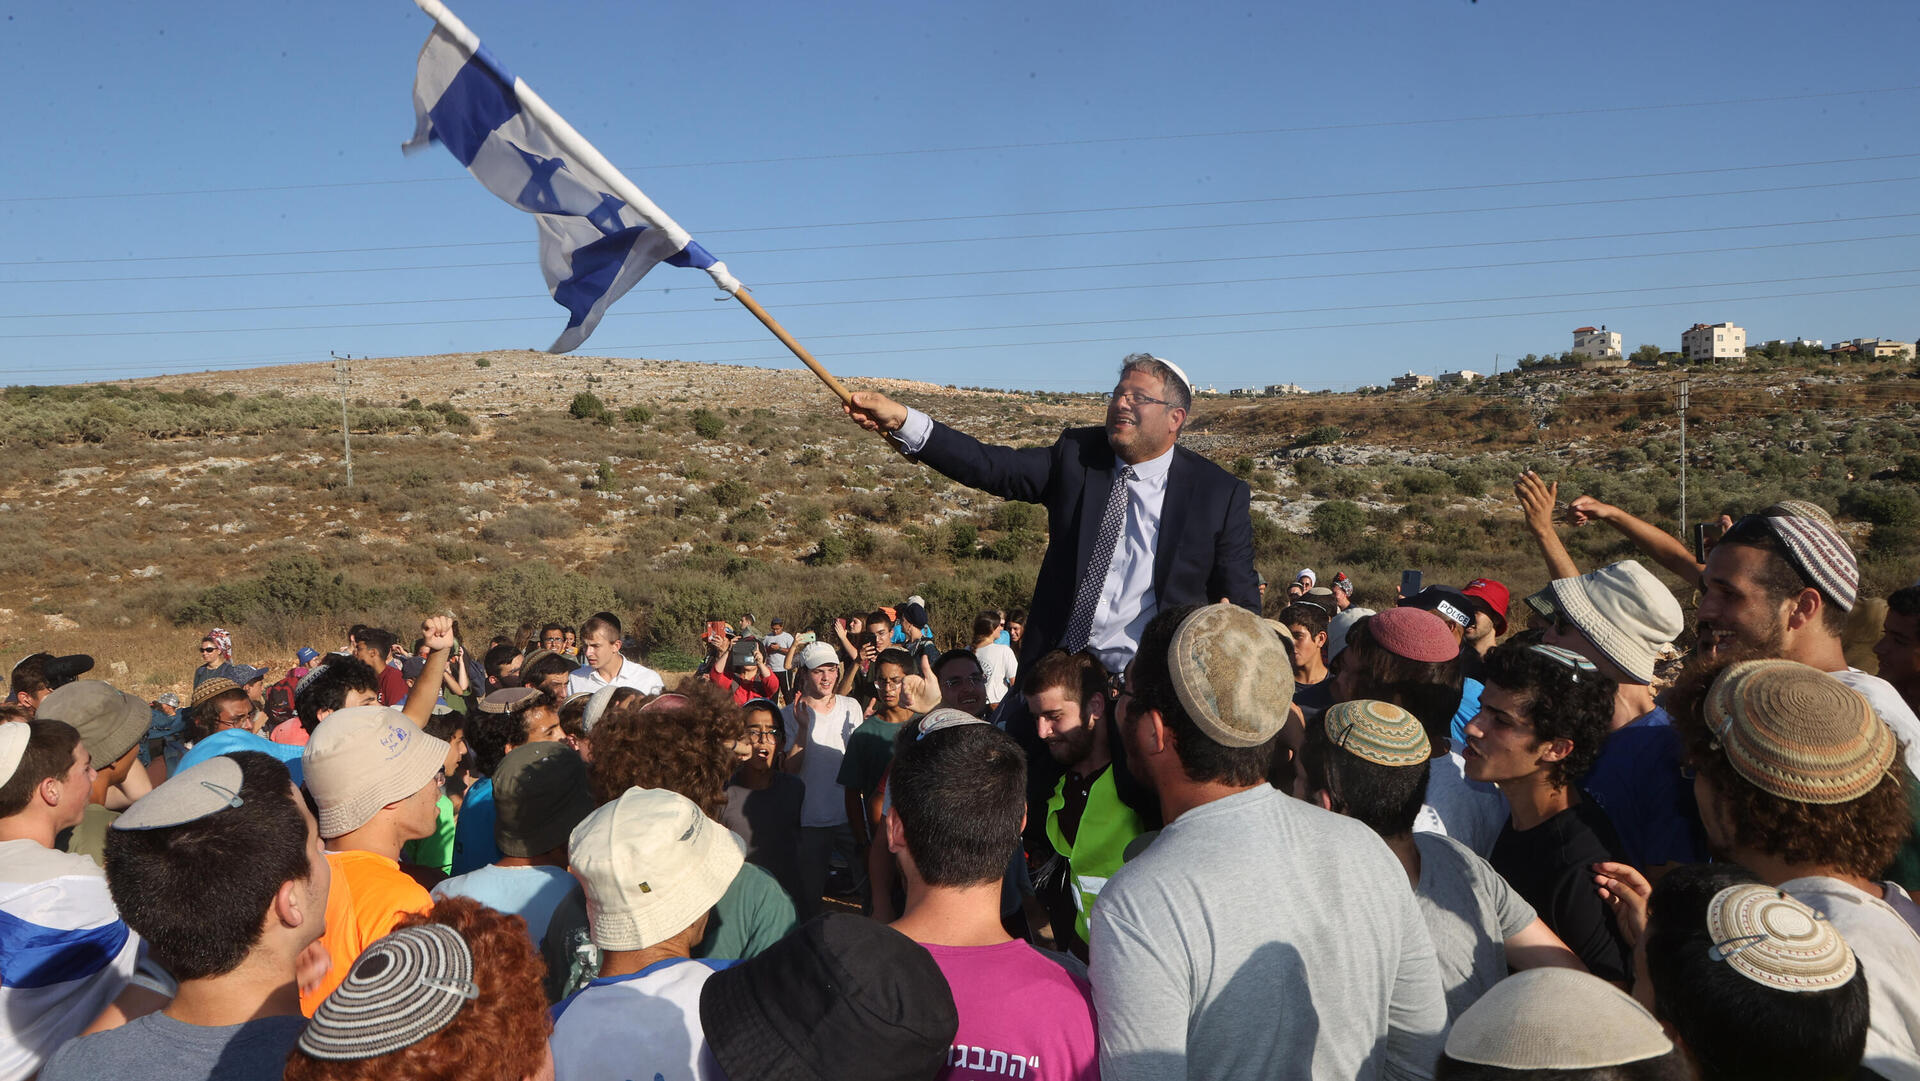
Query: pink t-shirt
289	731
1021	1016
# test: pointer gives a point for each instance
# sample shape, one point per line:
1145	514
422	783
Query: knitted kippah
1231	675
404	988
1415	634
1774	940
210	689
1798	733
1379	732
1819	553
1799	508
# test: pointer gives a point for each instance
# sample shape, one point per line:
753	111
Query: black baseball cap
57	671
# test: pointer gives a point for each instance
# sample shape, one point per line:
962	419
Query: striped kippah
1380	732
1567	659
404	988
1798	733
1776	941
1819	553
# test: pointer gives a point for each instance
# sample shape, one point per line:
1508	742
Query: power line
1014	270
549	316
1039	145
653	312
1292	329
1445	189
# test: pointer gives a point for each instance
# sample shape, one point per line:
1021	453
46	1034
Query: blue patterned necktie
1080	624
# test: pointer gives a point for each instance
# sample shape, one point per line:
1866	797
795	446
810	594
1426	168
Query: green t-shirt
436	849
869	753
89	838
753	914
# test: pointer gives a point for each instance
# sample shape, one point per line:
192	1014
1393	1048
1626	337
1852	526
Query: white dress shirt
585	680
1127	600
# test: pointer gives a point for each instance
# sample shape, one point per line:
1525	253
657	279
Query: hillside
144	511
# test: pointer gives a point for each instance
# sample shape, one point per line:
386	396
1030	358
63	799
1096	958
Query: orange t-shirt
368	896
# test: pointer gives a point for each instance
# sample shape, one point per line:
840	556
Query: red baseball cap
1494	596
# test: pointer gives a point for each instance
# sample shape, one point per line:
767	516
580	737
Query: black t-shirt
1551	866
1314	698
768	819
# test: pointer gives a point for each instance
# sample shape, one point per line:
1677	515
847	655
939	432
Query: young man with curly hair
1800	782
686	748
1544	712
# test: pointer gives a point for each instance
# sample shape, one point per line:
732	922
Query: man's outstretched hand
876	412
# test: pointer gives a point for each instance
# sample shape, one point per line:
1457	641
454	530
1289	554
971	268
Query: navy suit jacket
1205	546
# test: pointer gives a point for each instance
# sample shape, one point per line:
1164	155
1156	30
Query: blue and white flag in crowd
64	953
594	244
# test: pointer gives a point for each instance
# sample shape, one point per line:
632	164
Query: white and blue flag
594	244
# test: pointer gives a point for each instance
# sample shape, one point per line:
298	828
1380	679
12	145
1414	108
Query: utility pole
1684	382
343	375
1496	367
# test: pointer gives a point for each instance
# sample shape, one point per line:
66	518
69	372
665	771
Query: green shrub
534	591
1243	467
1324	435
587	405
636	414
482	362
963	541
707	424
730	492
1338	522
831	550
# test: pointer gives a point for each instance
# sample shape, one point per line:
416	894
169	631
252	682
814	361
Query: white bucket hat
1625	612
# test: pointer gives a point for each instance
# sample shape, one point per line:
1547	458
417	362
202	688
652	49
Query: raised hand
1588	509
437	631
875	411
1537	498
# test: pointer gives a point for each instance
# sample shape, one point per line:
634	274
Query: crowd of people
1454	835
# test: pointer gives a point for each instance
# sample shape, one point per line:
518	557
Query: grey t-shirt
158	1048
1260	937
1470	912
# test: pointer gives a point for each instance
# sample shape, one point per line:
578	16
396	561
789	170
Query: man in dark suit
1135	523
1178	533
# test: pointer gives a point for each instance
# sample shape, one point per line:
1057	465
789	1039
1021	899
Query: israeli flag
598	233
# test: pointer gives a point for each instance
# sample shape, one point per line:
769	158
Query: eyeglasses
1136	399
760	735
962	681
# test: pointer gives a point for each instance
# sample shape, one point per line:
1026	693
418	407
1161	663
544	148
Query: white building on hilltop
1412	381
1462	376
1600	344
1713	341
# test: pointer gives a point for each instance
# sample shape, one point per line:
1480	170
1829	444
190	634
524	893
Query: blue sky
982	194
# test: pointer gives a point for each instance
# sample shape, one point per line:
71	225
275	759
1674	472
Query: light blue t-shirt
531	893
1469	708
473	845
229	740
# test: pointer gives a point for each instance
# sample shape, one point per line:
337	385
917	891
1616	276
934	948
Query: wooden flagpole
577	145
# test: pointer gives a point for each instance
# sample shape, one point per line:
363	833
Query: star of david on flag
595	244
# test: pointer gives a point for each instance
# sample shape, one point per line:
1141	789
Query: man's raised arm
1007	472
1665	548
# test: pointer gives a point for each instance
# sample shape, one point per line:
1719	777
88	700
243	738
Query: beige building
1411	381
1876	348
1461	376
1713	341
1596	342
